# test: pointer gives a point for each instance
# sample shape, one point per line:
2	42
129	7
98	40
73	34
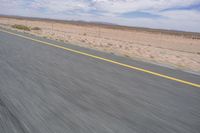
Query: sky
181	15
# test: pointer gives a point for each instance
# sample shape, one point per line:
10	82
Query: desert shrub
109	44
82	40
36	28
21	27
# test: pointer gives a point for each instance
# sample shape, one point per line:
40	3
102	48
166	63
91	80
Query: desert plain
180	50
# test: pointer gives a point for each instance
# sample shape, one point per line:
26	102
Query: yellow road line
107	60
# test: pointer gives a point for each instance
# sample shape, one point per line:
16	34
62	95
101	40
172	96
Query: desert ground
180	50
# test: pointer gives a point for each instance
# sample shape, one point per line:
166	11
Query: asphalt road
49	90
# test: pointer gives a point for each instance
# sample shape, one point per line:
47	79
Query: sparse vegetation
61	40
109	44
21	27
126	55
151	56
82	40
36	28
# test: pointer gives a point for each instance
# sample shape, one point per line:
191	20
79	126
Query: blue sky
166	14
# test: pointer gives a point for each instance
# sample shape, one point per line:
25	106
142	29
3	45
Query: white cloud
121	6
182	15
60	5
111	6
110	11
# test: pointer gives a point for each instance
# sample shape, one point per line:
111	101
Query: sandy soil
178	51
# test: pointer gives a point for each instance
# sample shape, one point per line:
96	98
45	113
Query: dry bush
21	27
35	28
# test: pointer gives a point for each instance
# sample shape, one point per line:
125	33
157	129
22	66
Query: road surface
44	89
